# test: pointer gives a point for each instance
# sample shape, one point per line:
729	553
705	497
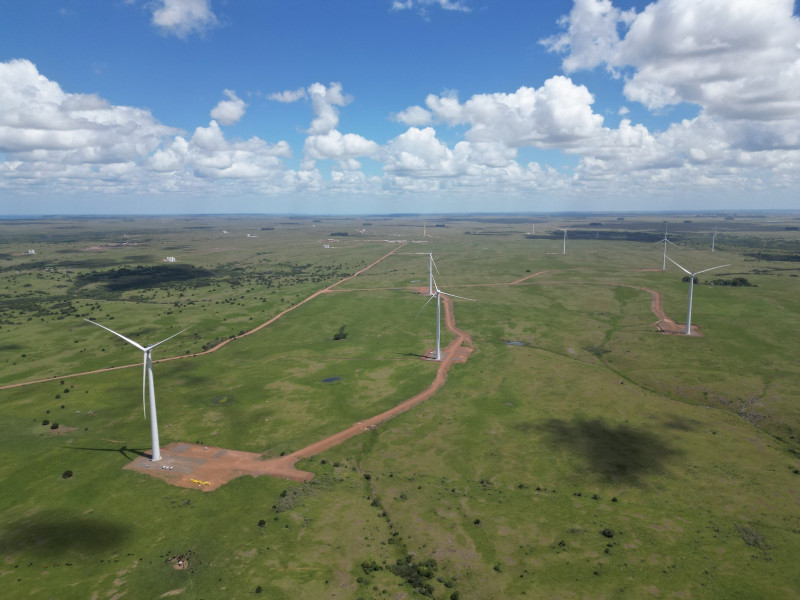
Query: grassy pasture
597	459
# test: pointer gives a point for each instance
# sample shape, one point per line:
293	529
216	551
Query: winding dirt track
208	468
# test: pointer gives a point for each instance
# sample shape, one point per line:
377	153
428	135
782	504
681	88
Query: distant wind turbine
564	229
666	241
691	288
438	295
147	377
713	238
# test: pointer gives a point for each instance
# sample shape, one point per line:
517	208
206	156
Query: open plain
564	448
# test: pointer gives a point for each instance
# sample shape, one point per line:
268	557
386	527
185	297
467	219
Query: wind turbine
691	288
666	241
714	238
564	229
438	295
147	377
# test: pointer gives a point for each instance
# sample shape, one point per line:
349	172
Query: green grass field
591	458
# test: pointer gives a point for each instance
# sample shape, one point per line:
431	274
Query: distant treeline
774	256
615	235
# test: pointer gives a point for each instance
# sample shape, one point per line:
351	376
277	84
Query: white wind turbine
438	295
714	238
666	241
147	377
691	288
564	229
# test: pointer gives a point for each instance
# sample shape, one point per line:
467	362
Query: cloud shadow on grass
55	533
614	453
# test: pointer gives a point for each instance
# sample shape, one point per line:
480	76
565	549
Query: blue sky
383	106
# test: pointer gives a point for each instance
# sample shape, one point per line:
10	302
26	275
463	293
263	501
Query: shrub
54	426
607	532
45	422
262	523
66	475
369	566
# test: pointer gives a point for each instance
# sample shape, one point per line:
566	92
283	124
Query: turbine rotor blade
139	346
711	269
680	267
166	340
454	296
424	305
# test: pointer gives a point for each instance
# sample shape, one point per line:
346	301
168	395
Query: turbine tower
564	229
438	295
147	378
714	238
666	241
691	288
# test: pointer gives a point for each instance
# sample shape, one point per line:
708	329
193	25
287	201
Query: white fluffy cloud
59	140
414	116
324	140
324	101
289	95
558	114
183	17
229	111
735	58
336	145
39	120
421	5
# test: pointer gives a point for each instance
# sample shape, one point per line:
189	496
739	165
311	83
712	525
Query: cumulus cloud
182	18
413	116
557	114
324	101
422	5
51	138
737	59
289	96
324	141
336	145
229	111
37	116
